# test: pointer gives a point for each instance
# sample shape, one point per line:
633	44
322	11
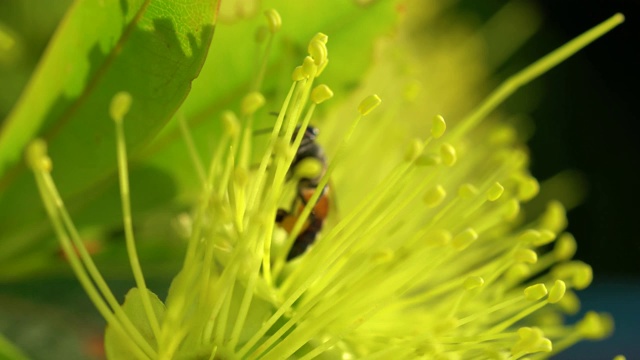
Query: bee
306	188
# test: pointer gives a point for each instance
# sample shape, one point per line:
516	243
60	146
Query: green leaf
232	69
25	29
9	351
119	347
153	49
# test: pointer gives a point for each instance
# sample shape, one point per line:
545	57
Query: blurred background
584	121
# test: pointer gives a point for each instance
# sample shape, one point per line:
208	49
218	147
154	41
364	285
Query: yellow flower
424	253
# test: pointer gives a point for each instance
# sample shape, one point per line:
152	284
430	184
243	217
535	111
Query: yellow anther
252	102
473	282
321	93
565	247
583	277
578	274
318	51
368	104
320	37
526	256
529	236
569	303
230	123
274	21
438	126
528	188
557	291
464	239
448	154
414	150
37	156
120	105
619	357
595	326
309	67
298	74
518	272
467	191
519	158
545	238
511	209
45	164
555	217
531	340
535	292
495	191
434	196
35	151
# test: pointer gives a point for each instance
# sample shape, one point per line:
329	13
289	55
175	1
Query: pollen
448	154
464	239
557	291
414	150
230	123
309	67
274	21
318	51
565	247
298	74
526	255
435	196
467	191
321	93
120	105
438	127
595	326
535	292
528	188
531	340
495	191
37	156
368	104
252	102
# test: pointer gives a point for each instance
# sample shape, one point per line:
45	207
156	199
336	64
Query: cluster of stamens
433	262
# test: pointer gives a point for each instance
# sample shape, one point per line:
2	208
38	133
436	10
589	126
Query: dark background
596	96
584	120
587	121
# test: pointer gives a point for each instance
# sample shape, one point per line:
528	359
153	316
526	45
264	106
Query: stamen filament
193	152
533	71
60	219
123	173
